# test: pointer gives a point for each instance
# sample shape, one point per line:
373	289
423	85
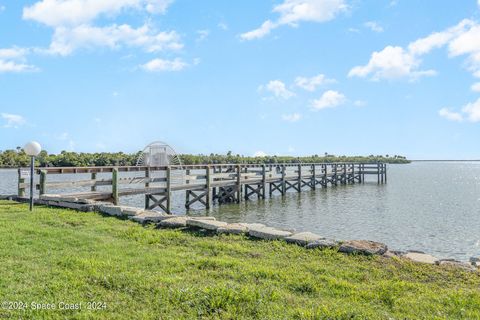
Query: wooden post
147	176
94	178
209	181
299	178
378	172
147	185
115	186
363	172
239	183
385	171
187	192
264	181
325	172
313	182
21	181
284	184
43	182
169	190
335	176
344	173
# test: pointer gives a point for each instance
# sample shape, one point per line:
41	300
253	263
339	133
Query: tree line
18	158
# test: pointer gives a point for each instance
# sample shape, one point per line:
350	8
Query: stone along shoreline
306	239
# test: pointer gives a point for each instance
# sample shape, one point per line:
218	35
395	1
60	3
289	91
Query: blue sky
290	77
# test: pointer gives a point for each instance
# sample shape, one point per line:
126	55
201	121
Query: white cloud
260	154
76	12
329	99
450	115
261	32
396	62
476	86
278	89
293	12
13	53
74	27
159	65
391	63
438	39
13	120
294	117
472	111
67	40
311	84
467	43
374	26
15	67
14	60
158	6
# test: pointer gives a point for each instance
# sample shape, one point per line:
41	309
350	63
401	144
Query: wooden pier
203	184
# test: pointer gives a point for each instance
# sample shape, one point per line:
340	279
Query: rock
322	244
150	216
475	261
131	211
233	228
201	218
111	210
211	225
174	222
421	257
74	206
86	201
50	197
268	233
456	264
303	238
253	225
393	253
363	247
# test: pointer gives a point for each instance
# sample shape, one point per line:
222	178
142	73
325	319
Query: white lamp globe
32	148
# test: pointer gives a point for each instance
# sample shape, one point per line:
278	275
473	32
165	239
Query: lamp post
32	149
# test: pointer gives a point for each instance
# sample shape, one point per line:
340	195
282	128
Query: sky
285	77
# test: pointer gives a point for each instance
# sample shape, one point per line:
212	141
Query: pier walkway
204	184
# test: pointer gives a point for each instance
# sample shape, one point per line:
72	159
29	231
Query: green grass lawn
53	256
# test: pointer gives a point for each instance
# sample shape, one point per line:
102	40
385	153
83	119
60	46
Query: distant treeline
18	158
230	158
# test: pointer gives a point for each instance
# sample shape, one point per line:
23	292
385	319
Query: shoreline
306	239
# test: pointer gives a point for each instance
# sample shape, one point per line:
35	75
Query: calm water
429	206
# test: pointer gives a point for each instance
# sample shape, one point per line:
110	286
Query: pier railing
203	184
